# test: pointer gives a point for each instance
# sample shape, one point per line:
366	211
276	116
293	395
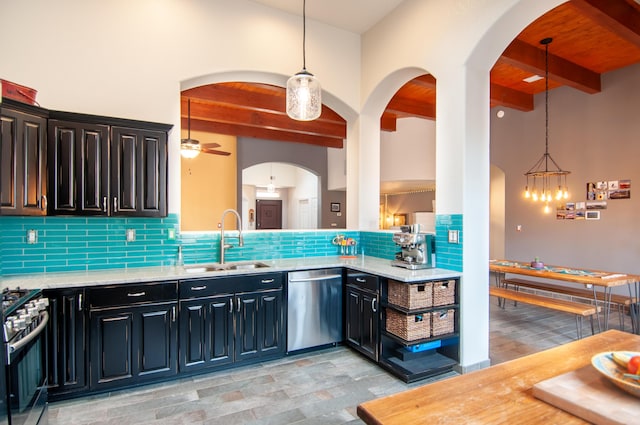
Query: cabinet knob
105	204
115	204
373	305
43	202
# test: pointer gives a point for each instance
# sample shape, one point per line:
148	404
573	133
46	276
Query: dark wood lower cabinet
217	331
133	345
68	343
363	317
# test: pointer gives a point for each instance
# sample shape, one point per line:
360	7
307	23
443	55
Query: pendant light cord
546	101
304	35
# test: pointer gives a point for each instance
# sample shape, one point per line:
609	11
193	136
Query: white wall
409	153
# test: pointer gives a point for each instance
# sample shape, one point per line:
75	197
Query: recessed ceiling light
533	78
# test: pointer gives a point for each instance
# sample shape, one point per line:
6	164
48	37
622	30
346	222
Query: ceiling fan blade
211	145
215	152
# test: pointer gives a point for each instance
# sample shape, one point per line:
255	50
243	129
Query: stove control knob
19	324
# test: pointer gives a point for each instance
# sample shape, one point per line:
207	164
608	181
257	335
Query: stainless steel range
25	317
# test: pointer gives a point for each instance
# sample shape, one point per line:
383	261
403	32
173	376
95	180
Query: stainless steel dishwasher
314	308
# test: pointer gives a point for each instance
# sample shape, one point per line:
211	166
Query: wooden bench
580	310
621	301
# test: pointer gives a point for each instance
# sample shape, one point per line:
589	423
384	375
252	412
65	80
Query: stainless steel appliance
25	347
314	309
417	250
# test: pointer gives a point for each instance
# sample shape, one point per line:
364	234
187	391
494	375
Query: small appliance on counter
417	249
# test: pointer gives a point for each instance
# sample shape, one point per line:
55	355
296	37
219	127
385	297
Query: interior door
269	214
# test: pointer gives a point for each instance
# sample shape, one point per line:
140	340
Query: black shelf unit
436	355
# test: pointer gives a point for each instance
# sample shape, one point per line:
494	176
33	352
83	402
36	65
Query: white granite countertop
373	265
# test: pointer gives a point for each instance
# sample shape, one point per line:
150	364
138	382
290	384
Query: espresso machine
417	250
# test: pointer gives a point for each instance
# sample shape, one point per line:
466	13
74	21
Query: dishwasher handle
316	278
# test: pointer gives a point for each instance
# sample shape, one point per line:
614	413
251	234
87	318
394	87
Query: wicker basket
408	326
442	322
410	296
444	292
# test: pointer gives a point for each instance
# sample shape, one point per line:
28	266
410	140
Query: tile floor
318	388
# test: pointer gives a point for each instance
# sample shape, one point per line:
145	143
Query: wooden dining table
500	394
594	279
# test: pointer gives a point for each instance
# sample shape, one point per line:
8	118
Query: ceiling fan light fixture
189	148
304	94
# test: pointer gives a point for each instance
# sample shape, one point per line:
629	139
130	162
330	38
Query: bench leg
592	328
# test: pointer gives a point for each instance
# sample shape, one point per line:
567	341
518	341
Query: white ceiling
352	15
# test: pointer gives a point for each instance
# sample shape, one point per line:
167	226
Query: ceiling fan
190	148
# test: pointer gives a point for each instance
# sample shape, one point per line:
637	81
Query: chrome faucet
223	245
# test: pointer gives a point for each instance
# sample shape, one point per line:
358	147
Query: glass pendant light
304	94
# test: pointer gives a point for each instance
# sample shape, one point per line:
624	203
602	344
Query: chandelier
304	95
547	183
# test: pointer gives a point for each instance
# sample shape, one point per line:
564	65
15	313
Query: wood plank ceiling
590	38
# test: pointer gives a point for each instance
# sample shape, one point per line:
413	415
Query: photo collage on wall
598	194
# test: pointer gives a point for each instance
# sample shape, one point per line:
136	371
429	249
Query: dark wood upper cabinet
138	172
23	159
107	166
79	158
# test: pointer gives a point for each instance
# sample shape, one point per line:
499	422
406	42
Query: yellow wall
208	184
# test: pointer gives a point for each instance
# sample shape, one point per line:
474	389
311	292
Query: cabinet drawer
123	295
363	280
206	287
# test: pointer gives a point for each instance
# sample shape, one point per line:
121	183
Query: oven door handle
44	319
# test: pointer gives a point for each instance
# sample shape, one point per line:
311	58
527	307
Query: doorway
268	214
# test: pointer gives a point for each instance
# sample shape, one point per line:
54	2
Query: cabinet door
23	163
206	332
155	334
138	172
247	339
133	344
271	323
79	168
354	317
67	336
369	325
112	348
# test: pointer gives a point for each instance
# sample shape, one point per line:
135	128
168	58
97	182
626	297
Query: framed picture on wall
335	207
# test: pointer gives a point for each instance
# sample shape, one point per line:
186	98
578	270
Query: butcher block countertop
500	394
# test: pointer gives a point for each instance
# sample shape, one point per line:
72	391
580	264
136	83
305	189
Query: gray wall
313	158
597	138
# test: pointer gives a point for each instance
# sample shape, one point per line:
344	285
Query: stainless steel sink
208	268
246	266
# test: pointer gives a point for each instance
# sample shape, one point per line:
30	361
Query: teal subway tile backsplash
449	256
93	243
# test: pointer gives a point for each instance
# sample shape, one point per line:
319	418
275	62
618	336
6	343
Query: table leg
634	307
595	300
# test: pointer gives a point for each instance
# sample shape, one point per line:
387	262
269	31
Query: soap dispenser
180	258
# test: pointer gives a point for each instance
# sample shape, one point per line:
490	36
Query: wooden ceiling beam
272	101
411	107
388	122
618	17
511	98
427	81
262	133
242	116
532	59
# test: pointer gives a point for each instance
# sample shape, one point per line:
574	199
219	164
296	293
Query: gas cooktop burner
14	298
